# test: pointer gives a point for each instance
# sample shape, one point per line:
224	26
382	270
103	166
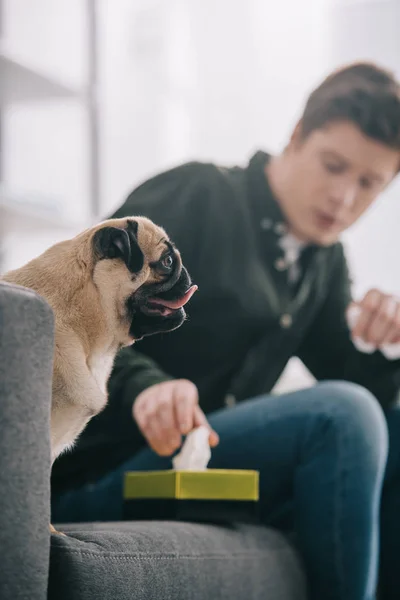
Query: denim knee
356	412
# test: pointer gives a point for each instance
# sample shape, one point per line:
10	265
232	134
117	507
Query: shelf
21	83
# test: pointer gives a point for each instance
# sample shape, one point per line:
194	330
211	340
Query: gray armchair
105	561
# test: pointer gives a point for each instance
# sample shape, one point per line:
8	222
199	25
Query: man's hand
378	321
168	410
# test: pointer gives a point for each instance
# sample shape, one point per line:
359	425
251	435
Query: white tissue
195	453
391	351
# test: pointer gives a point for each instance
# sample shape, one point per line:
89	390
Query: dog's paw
53	530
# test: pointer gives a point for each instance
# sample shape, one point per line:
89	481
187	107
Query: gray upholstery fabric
172	561
26	357
108	561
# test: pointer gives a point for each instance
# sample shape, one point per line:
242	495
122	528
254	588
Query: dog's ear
113	242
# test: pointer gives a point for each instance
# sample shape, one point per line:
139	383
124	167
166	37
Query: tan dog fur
88	300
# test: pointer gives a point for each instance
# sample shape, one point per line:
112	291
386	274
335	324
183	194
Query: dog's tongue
176	304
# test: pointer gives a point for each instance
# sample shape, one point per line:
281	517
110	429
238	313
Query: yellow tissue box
210	495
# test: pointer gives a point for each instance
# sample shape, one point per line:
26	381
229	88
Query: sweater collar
268	218
266	210
267	214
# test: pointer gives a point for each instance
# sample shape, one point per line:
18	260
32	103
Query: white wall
201	79
191	79
45	144
216	80
365	29
187	79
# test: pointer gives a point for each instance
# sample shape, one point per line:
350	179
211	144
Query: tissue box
210	495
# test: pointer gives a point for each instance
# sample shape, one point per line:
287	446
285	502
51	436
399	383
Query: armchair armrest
26	362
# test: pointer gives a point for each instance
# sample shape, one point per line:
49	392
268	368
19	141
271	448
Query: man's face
331	178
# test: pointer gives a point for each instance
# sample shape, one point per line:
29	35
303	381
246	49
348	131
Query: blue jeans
322	457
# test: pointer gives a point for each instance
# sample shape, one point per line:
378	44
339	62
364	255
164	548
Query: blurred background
97	95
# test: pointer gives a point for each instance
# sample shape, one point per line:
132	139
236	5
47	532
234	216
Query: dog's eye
167	262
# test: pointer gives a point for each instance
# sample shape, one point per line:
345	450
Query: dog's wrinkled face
140	276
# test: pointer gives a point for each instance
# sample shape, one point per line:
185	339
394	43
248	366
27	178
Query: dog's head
140	276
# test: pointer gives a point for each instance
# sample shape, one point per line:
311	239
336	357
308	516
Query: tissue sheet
195	453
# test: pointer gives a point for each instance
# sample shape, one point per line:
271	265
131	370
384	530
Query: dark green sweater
245	322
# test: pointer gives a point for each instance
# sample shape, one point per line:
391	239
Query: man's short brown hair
364	94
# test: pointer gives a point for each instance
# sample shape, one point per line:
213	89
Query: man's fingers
164	414
214	438
368	307
156	421
381	323
378	322
394	336
166	428
199	420
184	411
185	400
167	411
163	442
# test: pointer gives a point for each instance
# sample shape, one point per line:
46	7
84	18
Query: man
261	242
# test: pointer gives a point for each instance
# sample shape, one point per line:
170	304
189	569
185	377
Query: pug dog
109	286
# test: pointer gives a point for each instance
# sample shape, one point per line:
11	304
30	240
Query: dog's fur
108	286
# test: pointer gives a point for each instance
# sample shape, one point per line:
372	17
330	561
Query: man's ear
113	242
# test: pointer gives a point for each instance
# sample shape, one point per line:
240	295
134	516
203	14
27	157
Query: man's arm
328	351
